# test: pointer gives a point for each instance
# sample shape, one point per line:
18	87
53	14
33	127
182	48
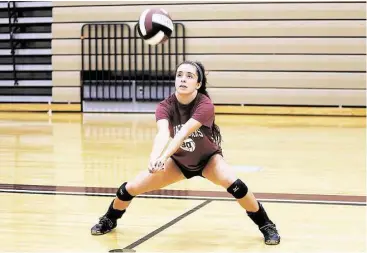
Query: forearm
160	142
174	144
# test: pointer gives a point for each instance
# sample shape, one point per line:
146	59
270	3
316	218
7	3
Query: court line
191	193
167	225
188	197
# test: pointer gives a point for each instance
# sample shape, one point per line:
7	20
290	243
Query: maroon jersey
200	145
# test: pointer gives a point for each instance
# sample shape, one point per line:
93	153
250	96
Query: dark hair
202	79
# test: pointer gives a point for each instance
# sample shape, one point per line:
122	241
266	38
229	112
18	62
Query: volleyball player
188	117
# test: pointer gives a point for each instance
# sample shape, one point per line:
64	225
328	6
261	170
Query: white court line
183	197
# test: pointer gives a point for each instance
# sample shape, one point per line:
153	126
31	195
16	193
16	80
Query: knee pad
238	189
122	193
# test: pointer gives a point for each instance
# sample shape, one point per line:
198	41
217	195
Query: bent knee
238	189
123	193
134	189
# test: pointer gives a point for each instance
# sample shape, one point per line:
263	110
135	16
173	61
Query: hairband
199	70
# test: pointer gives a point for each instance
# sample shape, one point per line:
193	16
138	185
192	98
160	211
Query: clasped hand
156	164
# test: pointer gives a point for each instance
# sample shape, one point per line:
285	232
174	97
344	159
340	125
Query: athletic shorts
188	173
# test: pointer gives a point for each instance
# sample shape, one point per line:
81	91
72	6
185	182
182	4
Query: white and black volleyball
155	26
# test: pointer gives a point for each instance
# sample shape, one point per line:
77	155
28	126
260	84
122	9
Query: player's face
186	79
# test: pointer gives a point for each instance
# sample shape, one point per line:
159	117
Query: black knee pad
122	193
238	189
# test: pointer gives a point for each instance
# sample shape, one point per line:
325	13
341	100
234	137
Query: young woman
188	117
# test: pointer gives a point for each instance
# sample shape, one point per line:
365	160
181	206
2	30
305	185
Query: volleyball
155	26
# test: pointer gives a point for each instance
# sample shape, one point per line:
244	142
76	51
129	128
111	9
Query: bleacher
25	53
260	56
257	53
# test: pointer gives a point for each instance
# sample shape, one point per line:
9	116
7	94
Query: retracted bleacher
25	52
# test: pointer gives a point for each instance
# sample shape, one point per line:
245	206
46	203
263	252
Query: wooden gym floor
58	174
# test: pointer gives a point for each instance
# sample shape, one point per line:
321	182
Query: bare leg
220	173
145	182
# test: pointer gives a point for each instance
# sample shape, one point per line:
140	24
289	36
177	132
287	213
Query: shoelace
270	229
103	221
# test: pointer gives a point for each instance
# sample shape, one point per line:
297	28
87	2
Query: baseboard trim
219	109
290	110
37	107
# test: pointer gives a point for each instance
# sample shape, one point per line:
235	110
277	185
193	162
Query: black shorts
193	173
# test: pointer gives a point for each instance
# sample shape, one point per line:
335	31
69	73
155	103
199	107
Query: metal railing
118	66
106	74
